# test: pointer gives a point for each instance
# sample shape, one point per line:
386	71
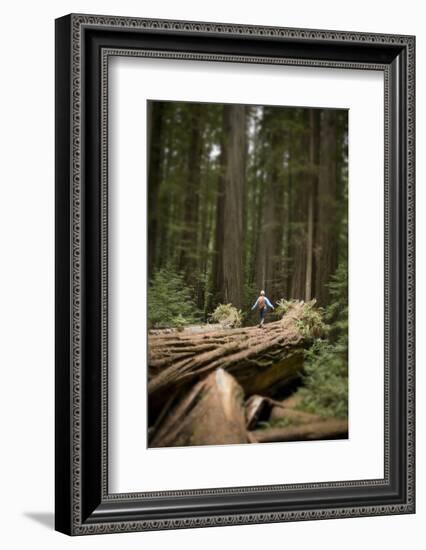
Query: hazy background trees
244	198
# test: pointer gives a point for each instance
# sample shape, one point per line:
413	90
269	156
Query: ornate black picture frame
84	44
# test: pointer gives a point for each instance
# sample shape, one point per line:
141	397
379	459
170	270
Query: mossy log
211	413
261	359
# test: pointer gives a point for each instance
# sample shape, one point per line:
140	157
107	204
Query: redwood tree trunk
299	214
155	165
326	242
230	213
188	259
268	250
312	193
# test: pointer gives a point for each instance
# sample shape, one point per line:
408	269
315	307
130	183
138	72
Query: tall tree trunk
265	248
164	205
309	246
269	245
252	206
276	278
313	184
230	209
299	217
326	241
155	156
289	220
216	294
188	254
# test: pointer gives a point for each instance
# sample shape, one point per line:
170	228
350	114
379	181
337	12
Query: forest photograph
247	295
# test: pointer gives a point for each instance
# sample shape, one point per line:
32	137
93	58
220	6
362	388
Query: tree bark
211	413
299	208
262	360
188	255
155	155
312	191
229	272
268	273
217	263
326	242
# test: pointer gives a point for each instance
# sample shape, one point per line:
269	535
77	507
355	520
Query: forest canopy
243	198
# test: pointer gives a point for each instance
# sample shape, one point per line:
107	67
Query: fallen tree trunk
261	359
211	413
193	329
258	408
325	429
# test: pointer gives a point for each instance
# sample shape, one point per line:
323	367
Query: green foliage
283	306
337	311
250	294
326	379
170	301
278	423
311	324
325	390
179	322
227	315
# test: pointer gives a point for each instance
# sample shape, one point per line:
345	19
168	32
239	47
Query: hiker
262	303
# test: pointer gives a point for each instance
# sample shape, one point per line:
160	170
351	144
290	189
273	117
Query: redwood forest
247	273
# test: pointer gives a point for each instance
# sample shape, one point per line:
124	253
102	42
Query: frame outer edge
63	496
77	23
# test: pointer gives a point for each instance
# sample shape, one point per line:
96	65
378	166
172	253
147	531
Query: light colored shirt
267	302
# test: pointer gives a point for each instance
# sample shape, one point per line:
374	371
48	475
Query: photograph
247	269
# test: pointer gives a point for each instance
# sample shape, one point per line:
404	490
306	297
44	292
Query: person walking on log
262	304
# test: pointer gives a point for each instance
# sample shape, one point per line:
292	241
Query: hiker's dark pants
262	313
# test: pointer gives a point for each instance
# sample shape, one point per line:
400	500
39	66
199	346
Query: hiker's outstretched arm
255	304
268	303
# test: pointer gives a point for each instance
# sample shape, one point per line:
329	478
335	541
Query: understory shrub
170	301
227	315
311	324
282	306
325	389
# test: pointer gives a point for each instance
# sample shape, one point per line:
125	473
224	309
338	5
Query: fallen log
261	359
258	408
193	329
325	429
211	413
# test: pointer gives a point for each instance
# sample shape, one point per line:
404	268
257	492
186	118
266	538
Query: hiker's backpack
261	302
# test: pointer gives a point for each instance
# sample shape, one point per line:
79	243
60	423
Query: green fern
325	390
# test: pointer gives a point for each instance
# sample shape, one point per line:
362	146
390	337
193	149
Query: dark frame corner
83	45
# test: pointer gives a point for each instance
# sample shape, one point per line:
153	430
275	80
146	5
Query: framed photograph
234	274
